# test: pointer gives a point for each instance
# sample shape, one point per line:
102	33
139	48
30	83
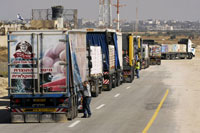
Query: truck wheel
101	86
109	86
172	57
118	79
76	111
96	86
159	62
189	56
114	82
133	73
167	57
100	90
76	107
131	77
69	114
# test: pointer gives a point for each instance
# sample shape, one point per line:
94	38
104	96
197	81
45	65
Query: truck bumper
38	117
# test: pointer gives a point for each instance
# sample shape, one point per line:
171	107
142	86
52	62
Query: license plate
40	110
39	100
105	86
125	76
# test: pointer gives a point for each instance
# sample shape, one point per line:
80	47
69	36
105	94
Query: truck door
37	62
22	62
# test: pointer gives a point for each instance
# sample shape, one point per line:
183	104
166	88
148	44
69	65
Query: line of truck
47	69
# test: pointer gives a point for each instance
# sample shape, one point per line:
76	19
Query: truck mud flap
32	118
108	87
53	117
47	118
95	88
17	117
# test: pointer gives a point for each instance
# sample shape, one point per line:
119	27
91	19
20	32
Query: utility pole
118	6
105	13
136	24
101	13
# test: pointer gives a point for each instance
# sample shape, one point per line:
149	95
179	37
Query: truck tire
158	62
100	90
96	86
167	57
101	86
114	82
154	62
133	74
76	108
69	114
118	79
131	77
189	56
172	57
109	86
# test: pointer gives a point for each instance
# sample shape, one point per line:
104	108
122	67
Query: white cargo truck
184	49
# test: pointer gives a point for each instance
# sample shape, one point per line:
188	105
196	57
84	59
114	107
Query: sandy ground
184	85
3	86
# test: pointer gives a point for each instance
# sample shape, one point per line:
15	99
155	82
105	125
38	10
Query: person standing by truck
137	68
86	100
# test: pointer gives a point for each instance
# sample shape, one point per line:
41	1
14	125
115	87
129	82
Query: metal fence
69	16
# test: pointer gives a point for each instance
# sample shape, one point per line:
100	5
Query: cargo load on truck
145	56
184	49
154	52
108	40
89	61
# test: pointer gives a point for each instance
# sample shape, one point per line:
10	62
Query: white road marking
117	95
3	107
128	87
74	124
100	106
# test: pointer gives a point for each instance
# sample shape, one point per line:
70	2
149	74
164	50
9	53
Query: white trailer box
97	67
111	50
119	41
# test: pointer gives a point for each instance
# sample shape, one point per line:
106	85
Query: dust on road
3	86
184	84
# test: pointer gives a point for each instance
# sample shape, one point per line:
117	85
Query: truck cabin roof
183	41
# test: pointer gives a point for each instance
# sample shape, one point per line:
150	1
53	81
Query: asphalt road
125	109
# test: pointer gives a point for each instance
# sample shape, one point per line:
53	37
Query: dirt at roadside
184	84
3	54
3	86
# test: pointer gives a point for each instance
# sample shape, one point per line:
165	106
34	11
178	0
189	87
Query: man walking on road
137	68
86	100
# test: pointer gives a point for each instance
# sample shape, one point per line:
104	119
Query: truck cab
189	46
128	58
138	49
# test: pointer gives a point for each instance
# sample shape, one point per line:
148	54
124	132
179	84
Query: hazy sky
156	9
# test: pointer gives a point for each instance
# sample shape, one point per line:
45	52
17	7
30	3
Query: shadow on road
4	114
